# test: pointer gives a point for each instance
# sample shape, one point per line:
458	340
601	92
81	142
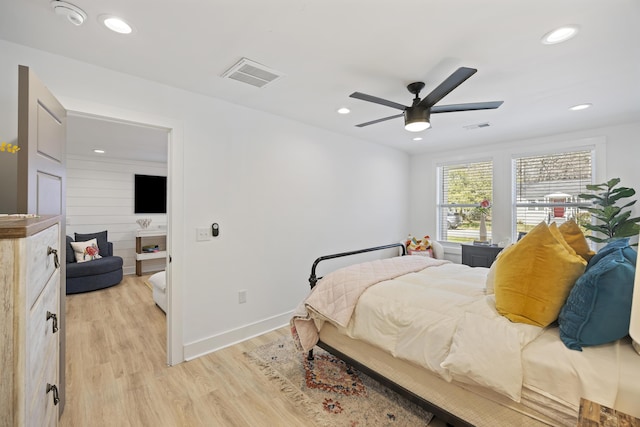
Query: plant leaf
590	196
596	239
628	229
613	182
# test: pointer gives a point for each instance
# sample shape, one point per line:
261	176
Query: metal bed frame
446	416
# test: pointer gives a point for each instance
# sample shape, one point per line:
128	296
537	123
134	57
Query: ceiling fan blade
373	122
466	107
370	98
450	83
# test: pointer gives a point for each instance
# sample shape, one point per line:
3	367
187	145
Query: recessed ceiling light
98	151
580	107
116	24
560	35
343	110
417	138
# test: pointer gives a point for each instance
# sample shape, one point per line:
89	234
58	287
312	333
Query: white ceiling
118	140
329	49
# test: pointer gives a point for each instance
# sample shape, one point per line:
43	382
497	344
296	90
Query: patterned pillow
101	237
419	246
86	251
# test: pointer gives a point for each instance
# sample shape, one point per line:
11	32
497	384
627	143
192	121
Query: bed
420	325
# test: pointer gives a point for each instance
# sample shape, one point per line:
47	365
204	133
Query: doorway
171	134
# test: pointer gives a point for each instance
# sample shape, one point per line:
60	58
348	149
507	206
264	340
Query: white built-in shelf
145	256
151	232
151	255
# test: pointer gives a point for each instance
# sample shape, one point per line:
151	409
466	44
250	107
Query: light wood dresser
29	314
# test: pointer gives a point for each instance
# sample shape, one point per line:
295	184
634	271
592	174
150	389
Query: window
547	188
461	189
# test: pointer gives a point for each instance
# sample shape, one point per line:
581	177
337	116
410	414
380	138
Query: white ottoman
159	285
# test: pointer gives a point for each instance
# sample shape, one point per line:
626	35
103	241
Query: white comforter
440	318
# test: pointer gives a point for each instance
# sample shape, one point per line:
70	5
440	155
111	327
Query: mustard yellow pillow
575	238
553	228
533	278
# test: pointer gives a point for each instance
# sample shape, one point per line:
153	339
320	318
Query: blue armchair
96	274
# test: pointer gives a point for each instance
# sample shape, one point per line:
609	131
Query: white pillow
487	351
438	250
86	251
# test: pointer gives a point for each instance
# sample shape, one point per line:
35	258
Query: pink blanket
335	296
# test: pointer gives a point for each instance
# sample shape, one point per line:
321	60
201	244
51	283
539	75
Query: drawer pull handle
54	325
50	251
53	388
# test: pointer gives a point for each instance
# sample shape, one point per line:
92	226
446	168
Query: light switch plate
202	234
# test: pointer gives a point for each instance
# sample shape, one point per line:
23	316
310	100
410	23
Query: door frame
175	197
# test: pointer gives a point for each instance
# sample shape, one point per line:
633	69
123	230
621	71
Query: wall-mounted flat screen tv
150	194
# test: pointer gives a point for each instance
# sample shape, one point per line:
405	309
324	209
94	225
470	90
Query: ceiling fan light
416	119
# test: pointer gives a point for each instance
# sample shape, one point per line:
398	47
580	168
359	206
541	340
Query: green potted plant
614	221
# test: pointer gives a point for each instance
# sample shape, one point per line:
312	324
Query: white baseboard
234	336
132	270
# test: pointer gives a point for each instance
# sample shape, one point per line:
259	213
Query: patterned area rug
332	392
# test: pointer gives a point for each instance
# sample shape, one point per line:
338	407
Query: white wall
100	197
283	193
617	156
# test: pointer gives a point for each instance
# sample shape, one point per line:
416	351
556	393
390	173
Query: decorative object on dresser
144	222
29	339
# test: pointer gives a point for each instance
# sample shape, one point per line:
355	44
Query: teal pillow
620	244
598	308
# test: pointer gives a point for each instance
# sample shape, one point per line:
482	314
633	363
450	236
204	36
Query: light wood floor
117	373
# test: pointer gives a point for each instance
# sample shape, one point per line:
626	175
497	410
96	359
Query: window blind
466	185
552	179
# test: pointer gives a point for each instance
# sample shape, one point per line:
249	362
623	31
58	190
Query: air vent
251	72
477	126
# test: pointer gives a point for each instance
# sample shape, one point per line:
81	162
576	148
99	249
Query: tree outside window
463	188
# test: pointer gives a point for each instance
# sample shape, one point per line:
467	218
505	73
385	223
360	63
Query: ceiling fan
417	116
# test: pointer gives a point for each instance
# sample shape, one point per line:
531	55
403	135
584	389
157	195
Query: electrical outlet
242	297
203	233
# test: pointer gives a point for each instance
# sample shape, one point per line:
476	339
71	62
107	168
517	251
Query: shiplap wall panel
100	197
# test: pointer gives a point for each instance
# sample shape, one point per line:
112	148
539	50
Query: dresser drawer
41	409
41	263
43	342
42	353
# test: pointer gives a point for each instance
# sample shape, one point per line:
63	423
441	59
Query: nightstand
592	414
479	255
